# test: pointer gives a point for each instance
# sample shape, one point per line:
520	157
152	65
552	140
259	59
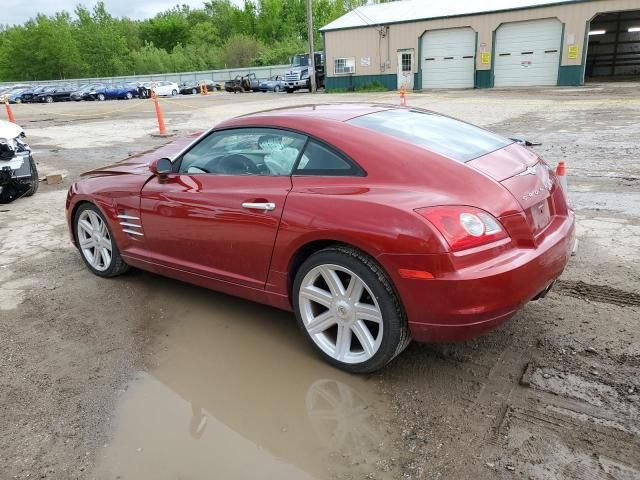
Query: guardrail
178	77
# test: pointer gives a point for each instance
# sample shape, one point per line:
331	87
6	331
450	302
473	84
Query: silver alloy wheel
340	313
94	240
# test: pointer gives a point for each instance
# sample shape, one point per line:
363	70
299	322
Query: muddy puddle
235	393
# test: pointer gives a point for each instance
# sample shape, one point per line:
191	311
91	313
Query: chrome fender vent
130	225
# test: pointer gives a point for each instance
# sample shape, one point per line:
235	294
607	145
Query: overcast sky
18	11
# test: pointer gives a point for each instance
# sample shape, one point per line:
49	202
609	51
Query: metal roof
414	10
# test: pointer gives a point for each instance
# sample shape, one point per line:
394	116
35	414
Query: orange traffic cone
561	173
161	127
403	95
9	112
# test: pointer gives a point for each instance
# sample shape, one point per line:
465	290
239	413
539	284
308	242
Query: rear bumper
465	303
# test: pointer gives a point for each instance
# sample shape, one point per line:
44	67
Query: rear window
446	136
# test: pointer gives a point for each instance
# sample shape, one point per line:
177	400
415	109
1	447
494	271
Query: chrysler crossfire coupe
375	224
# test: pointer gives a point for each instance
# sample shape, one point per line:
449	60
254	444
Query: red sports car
374	224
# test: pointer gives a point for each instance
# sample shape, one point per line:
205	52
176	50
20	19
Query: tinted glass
245	151
453	138
319	159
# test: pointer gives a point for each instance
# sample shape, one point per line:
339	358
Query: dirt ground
142	377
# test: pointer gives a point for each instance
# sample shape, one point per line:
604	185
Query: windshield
300	60
446	136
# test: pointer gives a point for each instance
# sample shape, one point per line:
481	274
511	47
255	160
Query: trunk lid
529	179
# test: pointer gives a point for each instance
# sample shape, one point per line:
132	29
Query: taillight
464	227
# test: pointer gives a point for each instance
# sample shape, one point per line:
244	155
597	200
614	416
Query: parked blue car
274	84
115	91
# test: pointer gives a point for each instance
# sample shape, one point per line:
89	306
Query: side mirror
161	167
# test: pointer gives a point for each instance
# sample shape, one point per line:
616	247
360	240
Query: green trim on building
417	79
585	49
483	78
492	76
573	75
570	75
561	54
350	82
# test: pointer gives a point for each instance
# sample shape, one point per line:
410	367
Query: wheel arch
311	247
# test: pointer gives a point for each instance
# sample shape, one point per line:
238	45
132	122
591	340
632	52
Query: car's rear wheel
174	93
96	244
49	99
128	96
18	100
194	91
276	88
348	310
101	97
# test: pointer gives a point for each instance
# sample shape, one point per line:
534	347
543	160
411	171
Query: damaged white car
18	172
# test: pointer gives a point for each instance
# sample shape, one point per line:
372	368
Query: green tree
102	45
221	33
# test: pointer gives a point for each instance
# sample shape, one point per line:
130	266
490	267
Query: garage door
527	53
448	58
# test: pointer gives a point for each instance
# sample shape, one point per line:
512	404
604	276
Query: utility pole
312	63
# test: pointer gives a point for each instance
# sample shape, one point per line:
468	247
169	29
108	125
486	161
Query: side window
318	159
244	151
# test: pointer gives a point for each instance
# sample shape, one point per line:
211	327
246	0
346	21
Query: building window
406	62
344	65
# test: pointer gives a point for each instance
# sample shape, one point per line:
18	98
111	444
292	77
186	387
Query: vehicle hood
138	164
9	130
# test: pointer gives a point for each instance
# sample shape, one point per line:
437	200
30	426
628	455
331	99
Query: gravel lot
144	377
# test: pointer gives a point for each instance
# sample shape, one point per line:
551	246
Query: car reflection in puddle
236	394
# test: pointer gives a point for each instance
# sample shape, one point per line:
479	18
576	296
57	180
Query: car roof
340	112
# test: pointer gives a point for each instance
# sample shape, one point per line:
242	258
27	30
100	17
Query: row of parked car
100	91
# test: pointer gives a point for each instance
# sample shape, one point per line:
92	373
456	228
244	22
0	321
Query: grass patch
372	87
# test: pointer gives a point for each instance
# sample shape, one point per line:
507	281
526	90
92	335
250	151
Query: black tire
174	93
396	335
117	266
128	96
276	88
289	90
101	97
34	182
194	91
49	99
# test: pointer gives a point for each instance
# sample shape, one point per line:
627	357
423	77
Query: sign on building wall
485	58
365	61
572	52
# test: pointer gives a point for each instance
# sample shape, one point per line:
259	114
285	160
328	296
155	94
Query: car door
218	214
164	88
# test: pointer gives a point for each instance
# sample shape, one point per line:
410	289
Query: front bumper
296	83
468	302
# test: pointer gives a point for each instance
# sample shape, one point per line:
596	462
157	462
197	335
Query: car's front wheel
96	244
174	93
348	310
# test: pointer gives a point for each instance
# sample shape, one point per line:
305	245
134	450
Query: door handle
259	206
